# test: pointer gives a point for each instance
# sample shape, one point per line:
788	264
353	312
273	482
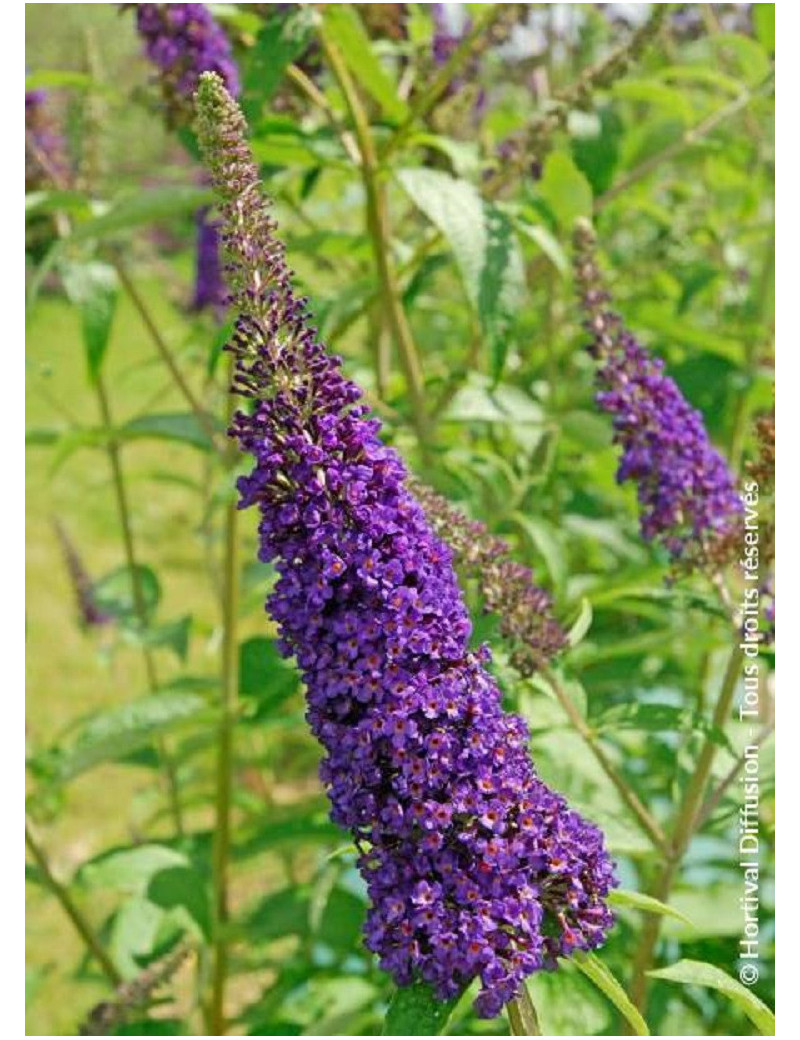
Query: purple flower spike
687	497
210	292
474	868
182	41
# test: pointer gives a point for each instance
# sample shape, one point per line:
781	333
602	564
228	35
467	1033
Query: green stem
522	1015
139	605
647	821
123	512
378	226
165	354
477	36
225	758
686	824
734	772
71	909
307	86
691	136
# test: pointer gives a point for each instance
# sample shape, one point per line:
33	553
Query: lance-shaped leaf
698	973
93	288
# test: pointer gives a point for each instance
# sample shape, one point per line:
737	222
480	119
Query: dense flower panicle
46	162
474	867
507	587
687	498
182	41
210	292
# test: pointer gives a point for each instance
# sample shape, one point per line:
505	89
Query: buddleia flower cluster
182	41
474	868
687	497
507	587
210	292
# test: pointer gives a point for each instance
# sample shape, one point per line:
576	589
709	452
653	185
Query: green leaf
278	915
501	286
712	908
587	429
749	54
34	977
671	100
547	242
464	156
658	718
415	1011
478	401
129	870
485	247
582	623
145	207
567	1004
764	25
699	973
182	427
655	317
341	922
566	191
92	288
265	679
343	26
542	537
134	932
114	592
174	635
61	200
110	735
182	887
593	968
639	901
278	44
701	74
303	825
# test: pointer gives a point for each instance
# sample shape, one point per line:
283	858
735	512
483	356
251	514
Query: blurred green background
687	237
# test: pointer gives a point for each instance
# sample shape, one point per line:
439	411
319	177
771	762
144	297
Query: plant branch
124	515
691	136
717	794
308	87
164	352
686	823
71	909
479	37
646	820
378	226
522	1016
534	141
139	605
